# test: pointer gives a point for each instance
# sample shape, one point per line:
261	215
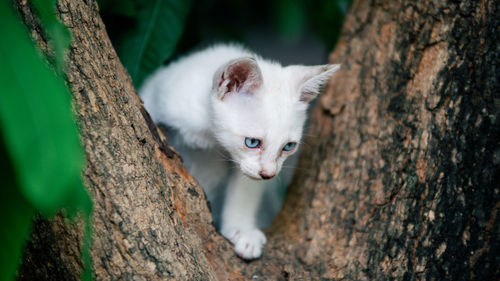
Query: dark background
292	32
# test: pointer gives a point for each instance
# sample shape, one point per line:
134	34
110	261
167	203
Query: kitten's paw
247	243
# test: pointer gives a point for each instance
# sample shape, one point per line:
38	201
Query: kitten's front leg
243	197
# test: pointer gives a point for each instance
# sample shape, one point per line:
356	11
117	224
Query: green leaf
159	25
36	122
53	29
290	18
38	141
15	219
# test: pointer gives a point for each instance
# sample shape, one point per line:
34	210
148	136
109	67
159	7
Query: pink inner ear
241	75
237	74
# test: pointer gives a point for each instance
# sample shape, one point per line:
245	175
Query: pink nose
265	175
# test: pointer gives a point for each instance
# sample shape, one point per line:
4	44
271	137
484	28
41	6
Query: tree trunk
397	179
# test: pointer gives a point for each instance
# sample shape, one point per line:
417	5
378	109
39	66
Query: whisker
278	177
298	168
225	157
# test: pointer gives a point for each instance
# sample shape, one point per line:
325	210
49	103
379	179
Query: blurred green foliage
324	18
150	34
53	29
40	149
145	33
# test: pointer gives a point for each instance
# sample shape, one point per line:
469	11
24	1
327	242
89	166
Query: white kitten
225	107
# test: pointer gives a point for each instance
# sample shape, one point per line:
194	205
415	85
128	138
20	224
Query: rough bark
399	179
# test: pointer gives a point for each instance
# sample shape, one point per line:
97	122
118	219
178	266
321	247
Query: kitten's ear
311	79
238	75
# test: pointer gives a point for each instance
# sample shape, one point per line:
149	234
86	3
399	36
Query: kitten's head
260	109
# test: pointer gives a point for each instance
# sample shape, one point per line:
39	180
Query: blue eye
289	146
252	143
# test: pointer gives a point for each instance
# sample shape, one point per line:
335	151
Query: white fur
208	125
